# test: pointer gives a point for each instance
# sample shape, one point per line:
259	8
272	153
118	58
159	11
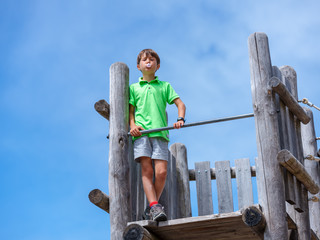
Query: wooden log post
254	218
119	184
179	151
313	168
271	187
100	199
137	232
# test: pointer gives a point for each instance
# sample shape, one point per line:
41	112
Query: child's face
148	64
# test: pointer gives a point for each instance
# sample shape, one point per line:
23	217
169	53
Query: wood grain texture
224	187
204	190
119	180
313	168
244	183
103	108
271	189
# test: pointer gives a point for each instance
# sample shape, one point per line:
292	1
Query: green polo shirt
150	101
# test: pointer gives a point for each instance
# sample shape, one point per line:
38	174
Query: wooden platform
216	226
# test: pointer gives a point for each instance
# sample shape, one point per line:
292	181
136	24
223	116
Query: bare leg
147	179
160	178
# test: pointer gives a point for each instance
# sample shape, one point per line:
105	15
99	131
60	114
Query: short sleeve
171	94
132	100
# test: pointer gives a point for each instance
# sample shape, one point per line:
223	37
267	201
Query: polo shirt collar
156	79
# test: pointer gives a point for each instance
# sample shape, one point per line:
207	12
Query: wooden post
313	168
119	184
179	151
271	190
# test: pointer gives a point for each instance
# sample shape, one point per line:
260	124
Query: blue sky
55	57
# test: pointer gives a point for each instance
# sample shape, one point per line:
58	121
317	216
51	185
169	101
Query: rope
310	104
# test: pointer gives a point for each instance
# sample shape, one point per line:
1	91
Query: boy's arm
134	129
181	112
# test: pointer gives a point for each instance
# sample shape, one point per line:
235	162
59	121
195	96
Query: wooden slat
244	183
204	190
179	151
103	108
224	186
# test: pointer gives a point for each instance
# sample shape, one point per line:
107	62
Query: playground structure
287	180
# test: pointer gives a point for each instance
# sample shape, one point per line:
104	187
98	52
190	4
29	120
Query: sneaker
146	215
157	213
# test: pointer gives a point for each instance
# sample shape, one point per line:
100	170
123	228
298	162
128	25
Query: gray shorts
155	148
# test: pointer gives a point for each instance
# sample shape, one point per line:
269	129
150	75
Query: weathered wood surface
285	121
271	189
224	187
204	190
287	160
313	168
119	181
288	99
210	227
254	218
100	199
244	183
103	108
137	232
192	173
179	151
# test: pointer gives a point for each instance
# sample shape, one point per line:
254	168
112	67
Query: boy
147	110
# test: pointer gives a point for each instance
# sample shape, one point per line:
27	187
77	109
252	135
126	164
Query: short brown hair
148	52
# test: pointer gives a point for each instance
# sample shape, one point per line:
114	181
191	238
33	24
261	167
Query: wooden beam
254	218
103	108
287	160
137	232
100	199
288	99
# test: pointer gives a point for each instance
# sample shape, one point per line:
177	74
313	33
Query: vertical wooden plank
271	198
244	182
204	190
284	121
313	168
119	185
173	197
165	196
179	151
224	187
303	220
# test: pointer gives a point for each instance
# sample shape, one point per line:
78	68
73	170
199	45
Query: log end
136	232
254	218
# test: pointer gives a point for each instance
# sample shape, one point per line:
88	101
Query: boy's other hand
178	124
135	131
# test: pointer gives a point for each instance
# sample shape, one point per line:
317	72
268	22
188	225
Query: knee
161	174
147	172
